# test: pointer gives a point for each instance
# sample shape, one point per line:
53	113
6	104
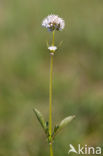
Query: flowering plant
52	23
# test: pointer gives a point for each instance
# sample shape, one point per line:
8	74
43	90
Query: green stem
51	150
53	38
50	100
50	95
50	104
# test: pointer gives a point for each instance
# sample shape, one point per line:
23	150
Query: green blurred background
24	75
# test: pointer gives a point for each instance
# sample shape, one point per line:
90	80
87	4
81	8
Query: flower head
53	22
52	48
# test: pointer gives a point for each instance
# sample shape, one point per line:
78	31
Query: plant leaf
62	124
41	120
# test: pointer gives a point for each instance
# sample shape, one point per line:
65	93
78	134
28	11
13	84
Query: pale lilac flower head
53	22
52	48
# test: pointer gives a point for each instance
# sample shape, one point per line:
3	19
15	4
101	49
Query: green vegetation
24	75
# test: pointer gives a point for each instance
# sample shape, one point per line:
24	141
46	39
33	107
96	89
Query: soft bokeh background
24	75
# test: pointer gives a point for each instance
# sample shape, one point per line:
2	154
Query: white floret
52	48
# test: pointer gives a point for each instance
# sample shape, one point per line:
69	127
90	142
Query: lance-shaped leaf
62	124
41	120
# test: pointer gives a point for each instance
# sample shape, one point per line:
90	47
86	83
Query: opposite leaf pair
57	128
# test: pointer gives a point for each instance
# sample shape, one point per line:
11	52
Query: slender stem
53	38
50	95
51	150
50	104
50	100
